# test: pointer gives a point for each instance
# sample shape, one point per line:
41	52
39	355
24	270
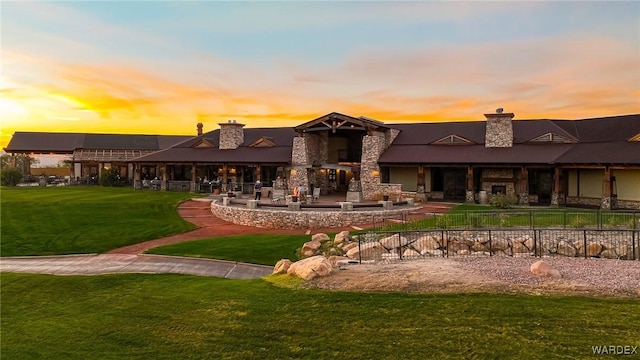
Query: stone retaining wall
275	218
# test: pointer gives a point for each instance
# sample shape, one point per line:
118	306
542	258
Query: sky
161	67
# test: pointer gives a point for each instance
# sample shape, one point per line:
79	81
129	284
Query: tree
10	176
19	161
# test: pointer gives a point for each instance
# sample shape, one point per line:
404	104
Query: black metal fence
415	244
519	218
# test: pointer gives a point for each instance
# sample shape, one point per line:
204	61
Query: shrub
110	177
501	201
579	221
10	176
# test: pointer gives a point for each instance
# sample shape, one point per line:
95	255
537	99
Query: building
588	162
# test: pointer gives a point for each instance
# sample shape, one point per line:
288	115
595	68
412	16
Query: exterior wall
572	183
231	135
407	177
628	184
591	183
303	219
335	144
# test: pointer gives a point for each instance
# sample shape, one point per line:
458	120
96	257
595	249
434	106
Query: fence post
399	246
584	232
535	243
633	245
359	250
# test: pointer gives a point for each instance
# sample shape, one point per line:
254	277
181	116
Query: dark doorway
541	184
454	184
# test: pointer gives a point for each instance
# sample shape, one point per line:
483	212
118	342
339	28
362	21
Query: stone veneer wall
304	219
488	174
372	147
499	132
231	135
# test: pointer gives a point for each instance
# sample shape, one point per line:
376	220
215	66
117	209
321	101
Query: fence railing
414	244
531	219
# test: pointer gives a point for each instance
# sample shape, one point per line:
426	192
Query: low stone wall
275	218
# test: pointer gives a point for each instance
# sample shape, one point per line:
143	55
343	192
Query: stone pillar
470	195
258	173
372	147
420	190
606	190
136	177
523	199
225	178
231	135
555	193
193	186
299	159
164	177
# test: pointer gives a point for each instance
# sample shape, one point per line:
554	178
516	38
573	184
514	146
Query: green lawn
264	249
187	317
68	220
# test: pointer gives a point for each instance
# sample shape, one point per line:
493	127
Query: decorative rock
369	251
338	260
426	243
310	248
320	237
394	241
341	237
544	269
349	246
282	266
519	248
498	244
594	249
458	246
609	254
410	253
480	247
566	248
530	244
310	268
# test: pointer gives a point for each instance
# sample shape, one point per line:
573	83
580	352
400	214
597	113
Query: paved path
130	259
114	263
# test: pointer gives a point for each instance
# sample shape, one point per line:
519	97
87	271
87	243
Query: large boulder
367	251
594	249
394	241
320	237
544	269
425	243
310	268
499	244
519	248
282	266
341	237
566	248
310	248
349	246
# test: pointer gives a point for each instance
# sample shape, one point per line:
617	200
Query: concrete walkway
120	263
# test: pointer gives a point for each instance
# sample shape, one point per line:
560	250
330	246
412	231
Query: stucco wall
591	183
628	184
572	183
405	176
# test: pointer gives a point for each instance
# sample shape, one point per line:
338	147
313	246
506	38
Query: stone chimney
231	135
499	132
199	128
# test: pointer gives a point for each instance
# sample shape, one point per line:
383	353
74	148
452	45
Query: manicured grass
68	220
134	316
264	249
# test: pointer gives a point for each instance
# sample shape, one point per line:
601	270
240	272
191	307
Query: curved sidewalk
122	263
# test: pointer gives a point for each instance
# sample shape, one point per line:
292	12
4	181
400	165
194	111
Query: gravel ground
589	277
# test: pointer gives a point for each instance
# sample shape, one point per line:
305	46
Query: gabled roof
67	143
279	153
334	121
589	141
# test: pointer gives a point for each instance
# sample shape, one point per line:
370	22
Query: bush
502	201
10	176
110	177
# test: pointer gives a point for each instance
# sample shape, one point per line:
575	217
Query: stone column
555	193
420	190
193	186
136	177
372	146
606	190
225	178
524	186
164	177
470	195
299	159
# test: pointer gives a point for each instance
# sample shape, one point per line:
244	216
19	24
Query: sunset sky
161	67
